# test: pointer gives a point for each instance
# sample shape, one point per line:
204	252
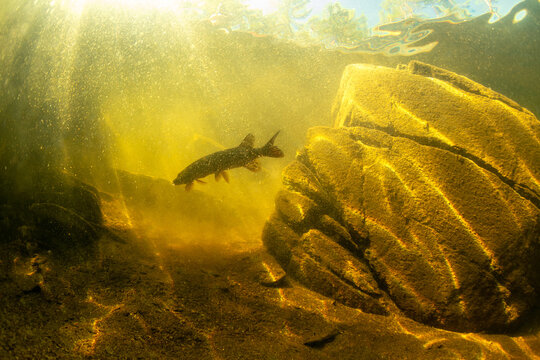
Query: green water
103	103
94	89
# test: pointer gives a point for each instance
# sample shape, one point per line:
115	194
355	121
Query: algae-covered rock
57	212
425	197
436	107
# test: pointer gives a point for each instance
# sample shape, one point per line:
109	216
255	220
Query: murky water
92	87
117	97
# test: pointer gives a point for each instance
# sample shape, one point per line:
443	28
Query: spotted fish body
244	155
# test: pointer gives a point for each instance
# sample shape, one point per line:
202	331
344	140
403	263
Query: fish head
182	179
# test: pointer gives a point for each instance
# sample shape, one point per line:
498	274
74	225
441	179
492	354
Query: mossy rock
63	213
426	190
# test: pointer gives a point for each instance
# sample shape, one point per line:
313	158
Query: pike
244	155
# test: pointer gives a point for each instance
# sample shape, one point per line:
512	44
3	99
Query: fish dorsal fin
253	166
248	141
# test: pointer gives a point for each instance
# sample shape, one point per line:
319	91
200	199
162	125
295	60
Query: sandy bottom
152	298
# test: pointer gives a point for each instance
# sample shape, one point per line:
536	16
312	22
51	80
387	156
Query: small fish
217	163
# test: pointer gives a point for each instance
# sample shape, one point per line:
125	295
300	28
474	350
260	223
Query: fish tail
270	149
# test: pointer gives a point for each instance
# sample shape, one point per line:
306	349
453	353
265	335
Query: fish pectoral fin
253	166
248	141
189	186
200	181
222	174
225	176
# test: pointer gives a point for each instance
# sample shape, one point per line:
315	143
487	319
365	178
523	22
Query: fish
244	155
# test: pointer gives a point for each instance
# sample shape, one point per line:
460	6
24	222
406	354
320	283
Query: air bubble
520	15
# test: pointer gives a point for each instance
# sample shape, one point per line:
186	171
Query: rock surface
57	213
424	200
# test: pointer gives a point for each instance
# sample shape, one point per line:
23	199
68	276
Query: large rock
424	199
58	213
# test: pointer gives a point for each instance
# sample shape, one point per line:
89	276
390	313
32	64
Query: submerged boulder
424	199
57	213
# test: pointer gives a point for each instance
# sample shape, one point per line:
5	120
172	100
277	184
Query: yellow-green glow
266	6
78	6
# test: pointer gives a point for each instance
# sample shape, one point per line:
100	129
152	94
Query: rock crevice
522	189
423	201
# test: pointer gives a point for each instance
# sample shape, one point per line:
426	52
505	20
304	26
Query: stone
272	274
447	111
58	213
64	223
423	199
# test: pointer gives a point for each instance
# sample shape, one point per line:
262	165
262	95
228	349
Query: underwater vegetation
405	223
